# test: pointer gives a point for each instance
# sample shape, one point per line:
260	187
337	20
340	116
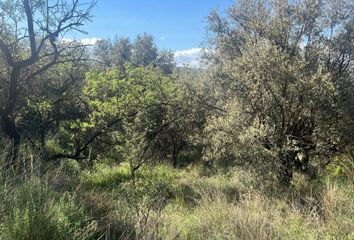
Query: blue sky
176	24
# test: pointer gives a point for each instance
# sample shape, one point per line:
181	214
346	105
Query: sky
177	25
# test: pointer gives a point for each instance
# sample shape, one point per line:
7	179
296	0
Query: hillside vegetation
114	141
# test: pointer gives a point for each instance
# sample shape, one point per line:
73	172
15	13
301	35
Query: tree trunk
8	123
9	127
286	167
174	156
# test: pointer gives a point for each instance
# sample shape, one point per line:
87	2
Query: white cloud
190	57
66	40
188	53
89	41
85	41
162	38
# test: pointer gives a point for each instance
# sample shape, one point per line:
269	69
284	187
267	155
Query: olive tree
30	44
143	52
286	65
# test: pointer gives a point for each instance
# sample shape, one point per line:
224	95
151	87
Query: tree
166	61
52	100
102	52
129	107
285	64
145	51
142	53
30	45
121	52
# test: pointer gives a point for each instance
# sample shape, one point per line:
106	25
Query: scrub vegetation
114	141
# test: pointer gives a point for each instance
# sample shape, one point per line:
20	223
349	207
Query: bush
343	166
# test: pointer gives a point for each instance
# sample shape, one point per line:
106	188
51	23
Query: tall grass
31	210
167	203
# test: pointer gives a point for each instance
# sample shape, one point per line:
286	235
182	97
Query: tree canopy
286	67
276	74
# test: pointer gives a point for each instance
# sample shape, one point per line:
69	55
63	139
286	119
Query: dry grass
172	204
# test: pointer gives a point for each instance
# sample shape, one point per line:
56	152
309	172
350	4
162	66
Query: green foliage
343	166
132	104
143	52
114	93
274	100
278	70
27	54
231	139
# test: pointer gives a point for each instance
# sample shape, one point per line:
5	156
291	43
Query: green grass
104	176
168	203
32	211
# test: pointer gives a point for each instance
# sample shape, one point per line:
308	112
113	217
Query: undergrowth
167	203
